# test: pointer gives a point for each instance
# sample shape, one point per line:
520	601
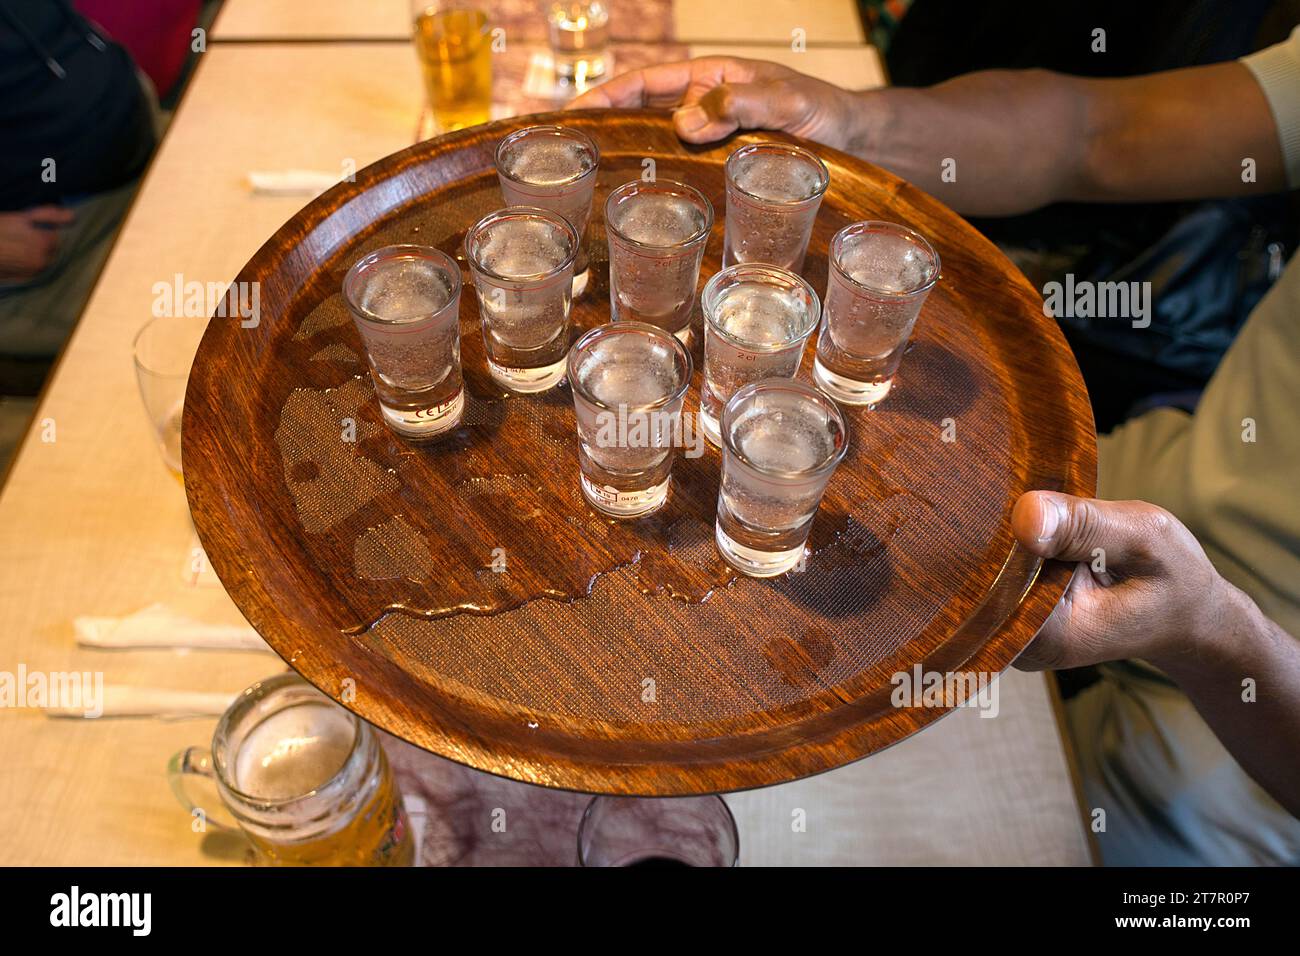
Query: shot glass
658	832
657	233
773	193
405	301
782	440
522	262
552	167
757	320
628	381
880	275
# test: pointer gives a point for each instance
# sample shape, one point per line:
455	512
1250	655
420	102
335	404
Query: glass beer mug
304	779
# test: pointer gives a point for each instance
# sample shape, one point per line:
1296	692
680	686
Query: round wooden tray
463	596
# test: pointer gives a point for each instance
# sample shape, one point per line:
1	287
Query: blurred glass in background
454	44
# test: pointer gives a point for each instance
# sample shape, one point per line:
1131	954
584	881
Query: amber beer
304	779
455	50
376	834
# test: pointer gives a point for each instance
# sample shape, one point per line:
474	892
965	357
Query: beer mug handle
197	762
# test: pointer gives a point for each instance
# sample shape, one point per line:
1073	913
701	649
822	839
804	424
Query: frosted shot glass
522	260
773	193
405	302
880	275
757	321
657	234
555	168
628	382
782	441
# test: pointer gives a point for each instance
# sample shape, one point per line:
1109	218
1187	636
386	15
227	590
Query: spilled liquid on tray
490	517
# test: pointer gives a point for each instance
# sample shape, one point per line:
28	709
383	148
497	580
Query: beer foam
293	751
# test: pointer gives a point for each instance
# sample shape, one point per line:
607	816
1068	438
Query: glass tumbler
628	382
658	832
782	441
405	302
552	167
522	262
773	193
657	233
579	33
757	320
163	353
880	276
453	42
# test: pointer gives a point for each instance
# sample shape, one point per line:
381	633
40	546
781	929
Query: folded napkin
291	182
160	626
116	700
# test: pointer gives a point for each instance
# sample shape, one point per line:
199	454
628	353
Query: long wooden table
91	523
756	21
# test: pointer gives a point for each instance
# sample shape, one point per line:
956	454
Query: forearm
990	143
1005	142
1243	676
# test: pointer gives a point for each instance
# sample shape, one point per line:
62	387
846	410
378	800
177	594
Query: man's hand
997	142
1160	599
1143	587
29	239
714	96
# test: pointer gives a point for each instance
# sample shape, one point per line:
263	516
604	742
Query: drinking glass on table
522	260
552	167
579	32
304	779
880	275
163	352
773	193
658	832
454	45
628	381
757	320
782	441
405	302
657	233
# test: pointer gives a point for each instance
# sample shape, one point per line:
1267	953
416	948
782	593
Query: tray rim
794	760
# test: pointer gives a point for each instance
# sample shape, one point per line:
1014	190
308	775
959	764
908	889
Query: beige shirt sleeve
1277	68
1229	472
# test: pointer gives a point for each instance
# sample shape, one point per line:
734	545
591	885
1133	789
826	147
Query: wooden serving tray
464	597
